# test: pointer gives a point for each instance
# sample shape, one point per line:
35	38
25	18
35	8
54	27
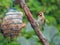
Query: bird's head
40	14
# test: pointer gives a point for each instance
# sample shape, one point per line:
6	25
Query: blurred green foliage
28	36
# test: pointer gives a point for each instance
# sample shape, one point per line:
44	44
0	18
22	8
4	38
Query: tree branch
32	22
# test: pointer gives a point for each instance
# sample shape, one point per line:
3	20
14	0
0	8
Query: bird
41	20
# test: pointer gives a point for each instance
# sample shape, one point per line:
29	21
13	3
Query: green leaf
56	40
49	32
24	41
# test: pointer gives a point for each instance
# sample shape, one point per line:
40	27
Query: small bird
41	20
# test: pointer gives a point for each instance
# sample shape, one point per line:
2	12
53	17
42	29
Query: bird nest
11	29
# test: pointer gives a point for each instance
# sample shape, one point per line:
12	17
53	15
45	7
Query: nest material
10	29
12	24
